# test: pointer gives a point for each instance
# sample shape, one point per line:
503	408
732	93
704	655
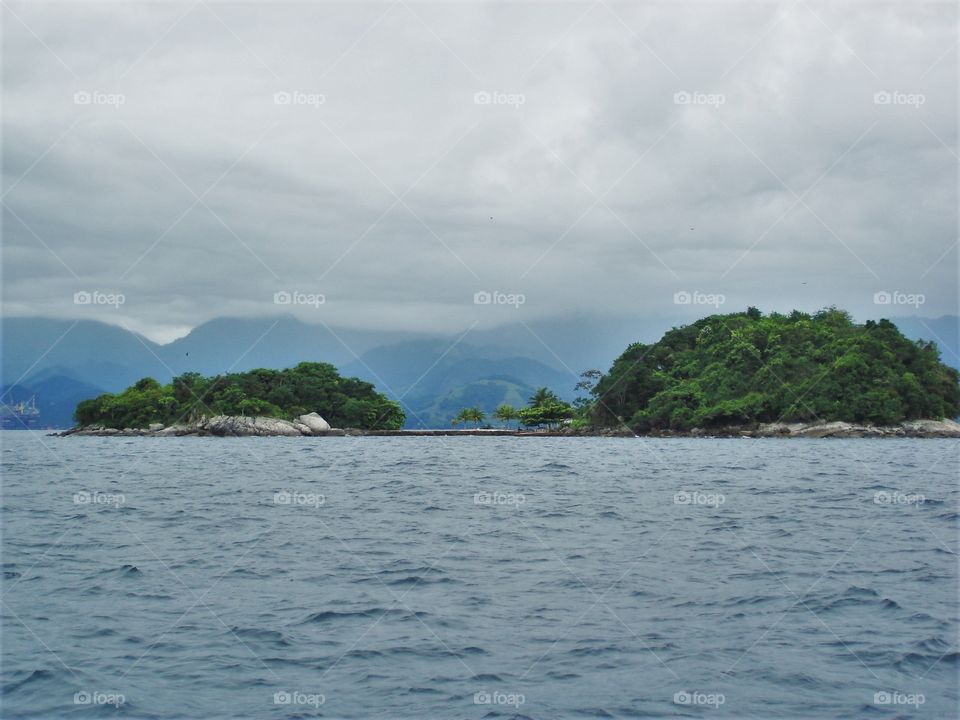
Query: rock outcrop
228	425
224	426
316	423
910	428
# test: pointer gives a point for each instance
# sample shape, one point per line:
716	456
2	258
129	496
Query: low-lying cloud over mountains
381	163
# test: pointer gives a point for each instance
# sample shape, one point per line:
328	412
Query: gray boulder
315	423
931	428
232	426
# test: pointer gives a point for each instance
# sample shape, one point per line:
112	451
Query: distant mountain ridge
89	358
59	359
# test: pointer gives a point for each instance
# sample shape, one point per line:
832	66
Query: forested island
745	373
743	369
283	394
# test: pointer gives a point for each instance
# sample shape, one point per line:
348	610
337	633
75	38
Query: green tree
550	415
506	414
747	368
308	387
474	415
542	396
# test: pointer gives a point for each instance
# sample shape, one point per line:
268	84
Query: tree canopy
544	408
308	387
471	414
746	368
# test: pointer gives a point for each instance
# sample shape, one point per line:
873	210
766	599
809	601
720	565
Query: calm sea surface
479	577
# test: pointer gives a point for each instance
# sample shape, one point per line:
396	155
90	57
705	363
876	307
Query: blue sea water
479	578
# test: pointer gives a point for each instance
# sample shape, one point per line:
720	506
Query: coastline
231	426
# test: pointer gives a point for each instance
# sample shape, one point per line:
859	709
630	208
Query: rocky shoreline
313	425
224	426
836	429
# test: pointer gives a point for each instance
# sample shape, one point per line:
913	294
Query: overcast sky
396	158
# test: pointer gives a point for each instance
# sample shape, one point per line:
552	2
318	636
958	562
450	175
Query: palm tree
543	397
505	413
475	415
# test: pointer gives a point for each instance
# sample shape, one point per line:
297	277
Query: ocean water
479	578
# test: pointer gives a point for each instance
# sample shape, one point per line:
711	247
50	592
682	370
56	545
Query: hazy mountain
103	355
435	367
62	360
235	344
56	397
485	394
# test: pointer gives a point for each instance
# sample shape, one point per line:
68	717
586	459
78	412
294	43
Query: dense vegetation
747	368
308	387
544	409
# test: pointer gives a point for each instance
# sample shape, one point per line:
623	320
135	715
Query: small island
746	369
258	402
734	375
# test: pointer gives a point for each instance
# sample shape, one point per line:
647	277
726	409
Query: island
739	372
727	375
258	402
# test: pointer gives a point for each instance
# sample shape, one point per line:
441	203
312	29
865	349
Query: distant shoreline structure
227	426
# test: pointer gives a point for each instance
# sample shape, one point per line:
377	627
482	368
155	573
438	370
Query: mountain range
64	361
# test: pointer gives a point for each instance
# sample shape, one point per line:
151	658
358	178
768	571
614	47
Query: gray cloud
582	197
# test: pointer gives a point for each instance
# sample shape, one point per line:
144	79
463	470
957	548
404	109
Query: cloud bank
391	160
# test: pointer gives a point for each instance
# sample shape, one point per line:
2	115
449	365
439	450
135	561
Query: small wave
487	677
375	613
32	677
124	571
556	675
260	634
329	615
420	580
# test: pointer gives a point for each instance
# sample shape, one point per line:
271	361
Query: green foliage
746	368
506	413
550	414
471	414
308	387
543	397
545	409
